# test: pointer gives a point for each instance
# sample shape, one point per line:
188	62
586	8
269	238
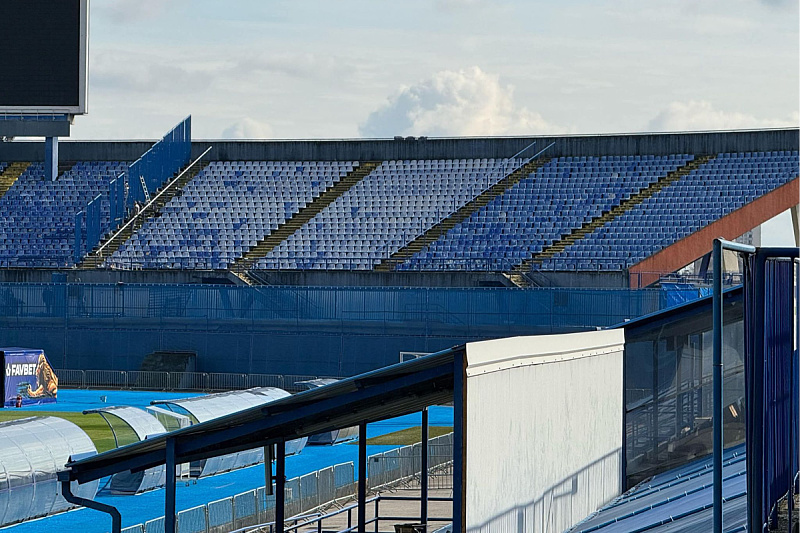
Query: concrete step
11	174
440	229
299	219
115	239
602	219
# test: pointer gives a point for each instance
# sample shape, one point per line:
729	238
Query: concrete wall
421	148
543	430
310	278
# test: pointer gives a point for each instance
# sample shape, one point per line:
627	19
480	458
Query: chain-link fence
311	491
177	381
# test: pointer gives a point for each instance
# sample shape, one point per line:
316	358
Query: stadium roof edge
661	143
424	138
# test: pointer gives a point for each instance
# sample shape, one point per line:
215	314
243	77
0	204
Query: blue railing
150	172
160	162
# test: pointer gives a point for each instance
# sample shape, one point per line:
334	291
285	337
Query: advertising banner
28	378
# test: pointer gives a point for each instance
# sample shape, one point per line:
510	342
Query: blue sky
357	68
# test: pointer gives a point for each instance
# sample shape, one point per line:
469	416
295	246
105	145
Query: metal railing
255	509
151	202
404	464
305	523
177	381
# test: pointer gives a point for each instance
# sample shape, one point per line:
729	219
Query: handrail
349	509
153	199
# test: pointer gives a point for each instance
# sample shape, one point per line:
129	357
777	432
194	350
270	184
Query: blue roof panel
677	500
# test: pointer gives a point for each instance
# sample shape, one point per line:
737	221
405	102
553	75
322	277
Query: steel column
51	158
717	376
280	486
269	452
755	499
169	496
717	408
459	399
362	477
423	503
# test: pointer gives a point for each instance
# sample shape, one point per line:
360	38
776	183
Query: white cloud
779	3
701	115
152	78
122	11
466	102
247	128
458	5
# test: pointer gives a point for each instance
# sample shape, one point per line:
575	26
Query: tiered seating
706	194
3	166
558	198
394	204
37	216
226	209
231	206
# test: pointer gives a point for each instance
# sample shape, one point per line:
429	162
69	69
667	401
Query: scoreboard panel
43	56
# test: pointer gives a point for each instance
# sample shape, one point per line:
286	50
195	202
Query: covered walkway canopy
385	393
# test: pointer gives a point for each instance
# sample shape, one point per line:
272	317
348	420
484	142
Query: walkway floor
398	512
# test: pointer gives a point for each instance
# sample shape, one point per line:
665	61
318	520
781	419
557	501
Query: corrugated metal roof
385	393
677	500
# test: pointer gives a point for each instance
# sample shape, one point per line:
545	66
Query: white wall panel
543	430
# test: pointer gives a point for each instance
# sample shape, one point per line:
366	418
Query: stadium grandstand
582	204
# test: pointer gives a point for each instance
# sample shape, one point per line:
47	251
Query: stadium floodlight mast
45	71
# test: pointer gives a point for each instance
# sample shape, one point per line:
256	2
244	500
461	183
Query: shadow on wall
548	512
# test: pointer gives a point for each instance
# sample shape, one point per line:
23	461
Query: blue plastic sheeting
680	293
678	500
771	385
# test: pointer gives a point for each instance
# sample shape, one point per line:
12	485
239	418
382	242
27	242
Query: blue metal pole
280	487
169	497
717	376
423	507
362	477
756	402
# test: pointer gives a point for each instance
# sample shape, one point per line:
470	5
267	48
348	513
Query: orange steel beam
729	227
